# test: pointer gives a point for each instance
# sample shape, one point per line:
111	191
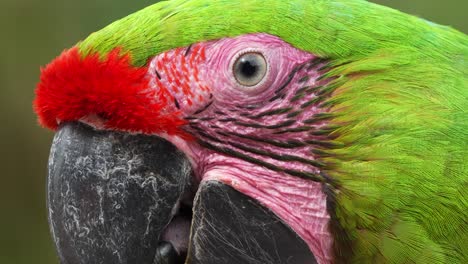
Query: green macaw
345	120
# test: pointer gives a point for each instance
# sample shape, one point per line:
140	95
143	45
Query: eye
250	69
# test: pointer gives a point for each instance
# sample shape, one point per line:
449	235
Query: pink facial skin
256	139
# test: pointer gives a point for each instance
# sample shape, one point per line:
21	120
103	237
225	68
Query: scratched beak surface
110	195
116	198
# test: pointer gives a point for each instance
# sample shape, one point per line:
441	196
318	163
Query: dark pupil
248	68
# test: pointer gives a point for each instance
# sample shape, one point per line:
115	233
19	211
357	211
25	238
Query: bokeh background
32	33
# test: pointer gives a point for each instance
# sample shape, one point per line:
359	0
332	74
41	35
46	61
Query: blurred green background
35	31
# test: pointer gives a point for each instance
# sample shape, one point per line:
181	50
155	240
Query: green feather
401	112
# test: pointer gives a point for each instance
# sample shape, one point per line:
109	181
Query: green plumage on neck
401	112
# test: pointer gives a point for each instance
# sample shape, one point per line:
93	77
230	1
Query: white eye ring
250	68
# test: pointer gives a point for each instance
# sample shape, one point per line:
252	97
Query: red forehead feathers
74	87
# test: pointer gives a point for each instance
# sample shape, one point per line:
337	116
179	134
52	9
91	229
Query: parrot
231	131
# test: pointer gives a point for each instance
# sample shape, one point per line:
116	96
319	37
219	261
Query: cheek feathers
74	88
181	73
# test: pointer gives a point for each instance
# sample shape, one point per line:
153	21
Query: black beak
117	198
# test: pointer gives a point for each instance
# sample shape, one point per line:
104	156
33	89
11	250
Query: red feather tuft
74	88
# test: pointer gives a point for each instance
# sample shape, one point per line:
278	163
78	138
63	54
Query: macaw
300	131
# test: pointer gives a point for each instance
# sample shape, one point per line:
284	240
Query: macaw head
227	132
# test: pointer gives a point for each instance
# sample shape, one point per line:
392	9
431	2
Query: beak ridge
110	194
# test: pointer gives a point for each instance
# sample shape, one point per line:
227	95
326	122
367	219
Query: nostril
166	254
